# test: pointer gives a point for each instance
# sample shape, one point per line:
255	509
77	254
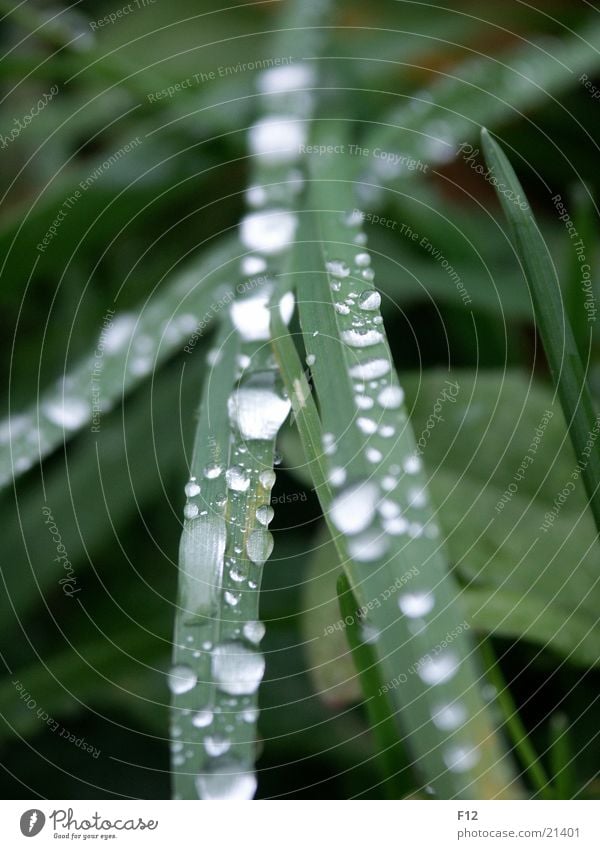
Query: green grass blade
381	513
561	757
381	718
129	348
483	90
559	343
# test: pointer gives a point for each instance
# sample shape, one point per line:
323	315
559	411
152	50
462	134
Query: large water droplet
438	669
181	679
202	718
369	300
370	369
353	509
361	338
391	397
267	478
338	267
265	514
258	411
253	265
368	546
202	545
415	605
237	669
449	716
278	138
227	782
252	317
460	758
216	744
192	488
259	546
237	479
268	231
254	631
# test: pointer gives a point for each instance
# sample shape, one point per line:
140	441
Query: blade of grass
565	364
381	718
130	347
512	722
373	468
561	759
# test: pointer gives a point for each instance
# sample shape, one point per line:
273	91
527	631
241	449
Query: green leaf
557	336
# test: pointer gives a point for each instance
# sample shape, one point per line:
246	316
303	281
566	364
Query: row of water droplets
391	501
257	407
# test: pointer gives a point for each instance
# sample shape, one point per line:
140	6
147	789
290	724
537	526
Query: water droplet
181	679
417	497
285	78
368	274
237	479
460	758
202	718
353	509
213	471
373	455
311	360
202	541
237	669
259	546
114	337
366	425
391	397
254	631
269	231
232	599
342	309
388	509
337	476
69	413
361	338
226	782
216	744
386	431
251	316
265	514
267	478
253	265
362	259
329	444
369	546
190	511
449	716
258	411
370	369
369	300
277	138
337	267
415	605
363	402
256	196
412	465
395	526
438	669
191	488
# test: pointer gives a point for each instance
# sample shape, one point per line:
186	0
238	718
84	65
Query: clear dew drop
368	274
362	259
361	338
412	465
369	633
386	431
254	631
337	476
237	479
438	669
363	402
265	514
227	782
277	137
370	369
253	265
373	455
118	333
203	540
69	413
415	605
366	425
237	669
395	525
337	267
460	758
285	78
259	546
311	360
202	718
232	599
369	300
181	679
190	511
390	397
213	471
267	479
191	488
449	716
216	744
258	411
352	511
388	509
250	715
342	309
268	231
251	316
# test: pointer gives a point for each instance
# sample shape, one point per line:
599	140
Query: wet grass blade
130	346
380	514
566	367
381	718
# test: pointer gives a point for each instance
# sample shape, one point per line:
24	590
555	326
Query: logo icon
32	822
